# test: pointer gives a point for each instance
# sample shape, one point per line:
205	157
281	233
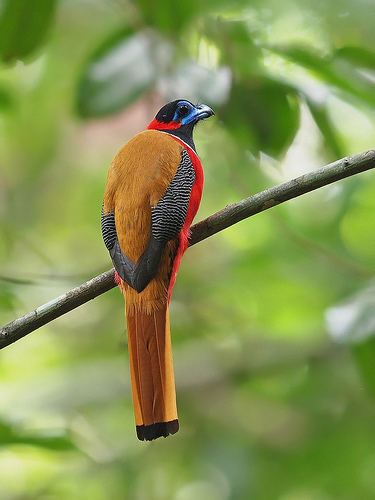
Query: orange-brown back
138	178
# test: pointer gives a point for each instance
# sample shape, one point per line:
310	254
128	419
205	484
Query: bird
152	194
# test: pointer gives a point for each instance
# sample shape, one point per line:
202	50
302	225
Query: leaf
172	17
121	70
50	442
168	16
263	114
23	27
354	320
58	441
326	127
237	48
353	323
358	56
335	72
198	83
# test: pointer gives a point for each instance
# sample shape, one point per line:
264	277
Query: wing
123	265
167	219
169	214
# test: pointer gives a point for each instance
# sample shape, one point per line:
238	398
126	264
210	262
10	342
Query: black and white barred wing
169	214
167	219
123	265
108	229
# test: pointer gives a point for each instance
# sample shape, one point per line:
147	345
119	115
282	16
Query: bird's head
180	114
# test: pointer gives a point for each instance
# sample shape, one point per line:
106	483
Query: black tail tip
159	429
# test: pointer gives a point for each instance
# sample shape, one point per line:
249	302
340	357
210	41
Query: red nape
156	125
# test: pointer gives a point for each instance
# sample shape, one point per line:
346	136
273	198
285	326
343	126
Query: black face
179	118
168	112
183	112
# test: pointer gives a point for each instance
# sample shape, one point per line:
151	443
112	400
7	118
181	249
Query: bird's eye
183	110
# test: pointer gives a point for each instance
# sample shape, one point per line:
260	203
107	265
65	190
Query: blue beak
203	111
200	112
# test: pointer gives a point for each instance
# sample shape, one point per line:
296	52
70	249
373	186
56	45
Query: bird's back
138	178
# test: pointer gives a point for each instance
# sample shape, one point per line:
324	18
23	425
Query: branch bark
217	222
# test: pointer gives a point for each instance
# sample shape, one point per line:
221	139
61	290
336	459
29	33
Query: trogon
153	192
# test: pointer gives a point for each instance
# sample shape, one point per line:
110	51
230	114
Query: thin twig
226	217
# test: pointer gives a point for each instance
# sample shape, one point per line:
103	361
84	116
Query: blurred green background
272	320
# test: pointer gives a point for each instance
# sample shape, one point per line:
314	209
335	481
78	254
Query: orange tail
152	377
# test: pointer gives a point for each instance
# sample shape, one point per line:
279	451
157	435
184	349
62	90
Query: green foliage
236	44
334	71
353	323
119	72
275	401
263	114
364	353
321	116
358	56
10	435
23	27
5	99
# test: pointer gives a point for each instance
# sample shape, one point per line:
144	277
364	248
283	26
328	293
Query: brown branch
226	217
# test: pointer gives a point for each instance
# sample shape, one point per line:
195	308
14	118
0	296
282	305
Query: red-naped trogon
153	192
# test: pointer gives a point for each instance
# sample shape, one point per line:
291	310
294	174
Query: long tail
152	377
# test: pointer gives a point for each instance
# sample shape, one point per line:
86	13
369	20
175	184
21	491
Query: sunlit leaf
353	322
168	16
119	72
196	82
335	72
172	17
23	27
237	48
263	115
354	319
327	128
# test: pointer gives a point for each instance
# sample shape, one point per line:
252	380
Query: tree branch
226	217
